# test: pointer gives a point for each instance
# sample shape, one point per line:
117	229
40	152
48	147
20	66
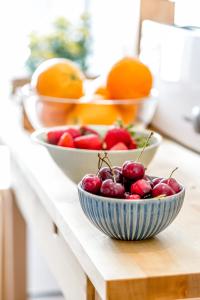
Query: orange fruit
49	115
58	77
129	79
91	113
103	91
128	113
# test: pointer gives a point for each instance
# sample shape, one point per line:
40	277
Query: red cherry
141	187
148	179
112	189
91	183
132	196
157	180
105	173
173	184
66	140
133	170
162	189
127	184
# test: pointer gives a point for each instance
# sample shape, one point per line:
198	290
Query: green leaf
66	40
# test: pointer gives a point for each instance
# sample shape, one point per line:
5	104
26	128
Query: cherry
118	174
133	170
148	179
156	180
132	196
117	168
91	183
127	183
173	184
105	173
141	187
162	189
147	196
112	189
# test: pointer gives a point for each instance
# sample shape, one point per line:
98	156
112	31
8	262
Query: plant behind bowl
66	40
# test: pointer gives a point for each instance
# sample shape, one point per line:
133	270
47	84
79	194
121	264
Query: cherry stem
107	161
109	164
100	162
173	172
145	145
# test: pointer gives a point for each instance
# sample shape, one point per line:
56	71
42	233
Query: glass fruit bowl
45	111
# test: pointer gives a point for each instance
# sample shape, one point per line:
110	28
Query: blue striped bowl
130	219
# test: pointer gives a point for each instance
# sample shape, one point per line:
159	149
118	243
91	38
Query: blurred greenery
65	40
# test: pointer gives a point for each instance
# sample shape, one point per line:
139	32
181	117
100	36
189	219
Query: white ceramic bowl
76	163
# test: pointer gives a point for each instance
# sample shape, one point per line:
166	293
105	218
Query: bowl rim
38	132
27	91
138	201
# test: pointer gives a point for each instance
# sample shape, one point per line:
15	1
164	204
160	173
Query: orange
91	113
58	77
49	115
128	113
103	91
129	79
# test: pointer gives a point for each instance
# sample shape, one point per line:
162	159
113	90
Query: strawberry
66	140
133	145
75	132
90	141
87	130
54	136
119	146
117	135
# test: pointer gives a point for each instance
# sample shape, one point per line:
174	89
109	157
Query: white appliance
173	55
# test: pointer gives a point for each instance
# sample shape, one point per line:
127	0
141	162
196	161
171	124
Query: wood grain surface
165	267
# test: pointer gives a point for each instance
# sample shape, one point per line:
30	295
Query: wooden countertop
169	262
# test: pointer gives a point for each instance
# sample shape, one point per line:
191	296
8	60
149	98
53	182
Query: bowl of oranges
57	95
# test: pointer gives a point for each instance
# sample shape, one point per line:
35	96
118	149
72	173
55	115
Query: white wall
114	29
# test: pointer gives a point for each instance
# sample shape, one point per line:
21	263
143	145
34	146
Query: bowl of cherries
127	204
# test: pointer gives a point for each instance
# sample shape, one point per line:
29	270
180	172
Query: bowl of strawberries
75	148
125	203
